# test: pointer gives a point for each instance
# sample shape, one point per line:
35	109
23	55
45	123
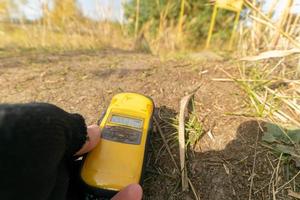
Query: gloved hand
38	142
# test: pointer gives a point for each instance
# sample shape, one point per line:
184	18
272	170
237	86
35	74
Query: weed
194	130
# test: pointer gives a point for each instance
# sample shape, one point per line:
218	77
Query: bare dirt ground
227	165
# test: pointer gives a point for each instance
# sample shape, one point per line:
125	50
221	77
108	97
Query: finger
93	133
131	192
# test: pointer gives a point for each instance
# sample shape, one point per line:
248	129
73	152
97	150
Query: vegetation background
65	20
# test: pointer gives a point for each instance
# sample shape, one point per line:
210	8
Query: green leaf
273	133
294	135
280	134
283	138
268	137
276	130
287	150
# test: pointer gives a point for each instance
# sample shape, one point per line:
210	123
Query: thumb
131	192
93	138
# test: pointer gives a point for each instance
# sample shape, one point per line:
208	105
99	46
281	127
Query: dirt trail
84	82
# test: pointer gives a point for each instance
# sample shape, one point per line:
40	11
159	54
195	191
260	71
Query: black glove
37	142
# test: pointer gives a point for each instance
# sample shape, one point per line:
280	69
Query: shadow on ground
216	175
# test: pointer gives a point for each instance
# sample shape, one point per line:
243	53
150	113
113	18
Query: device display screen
126	121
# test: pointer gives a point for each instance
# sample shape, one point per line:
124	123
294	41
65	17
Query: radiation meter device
119	158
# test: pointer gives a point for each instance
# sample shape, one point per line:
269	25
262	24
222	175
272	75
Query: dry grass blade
296	195
253	167
165	142
276	176
282	116
294	25
282	21
293	105
193	190
267	21
282	187
272	8
271	54
181	136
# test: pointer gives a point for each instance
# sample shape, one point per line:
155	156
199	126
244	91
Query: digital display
126	121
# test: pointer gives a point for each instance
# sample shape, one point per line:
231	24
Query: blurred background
158	26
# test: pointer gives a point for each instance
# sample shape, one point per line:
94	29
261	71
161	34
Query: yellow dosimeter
118	160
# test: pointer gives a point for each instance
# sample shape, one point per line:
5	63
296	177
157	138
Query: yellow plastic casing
113	165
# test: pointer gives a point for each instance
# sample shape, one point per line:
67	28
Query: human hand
37	141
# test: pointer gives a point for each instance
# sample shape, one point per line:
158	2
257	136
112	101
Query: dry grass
264	33
73	35
271	80
274	87
62	28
